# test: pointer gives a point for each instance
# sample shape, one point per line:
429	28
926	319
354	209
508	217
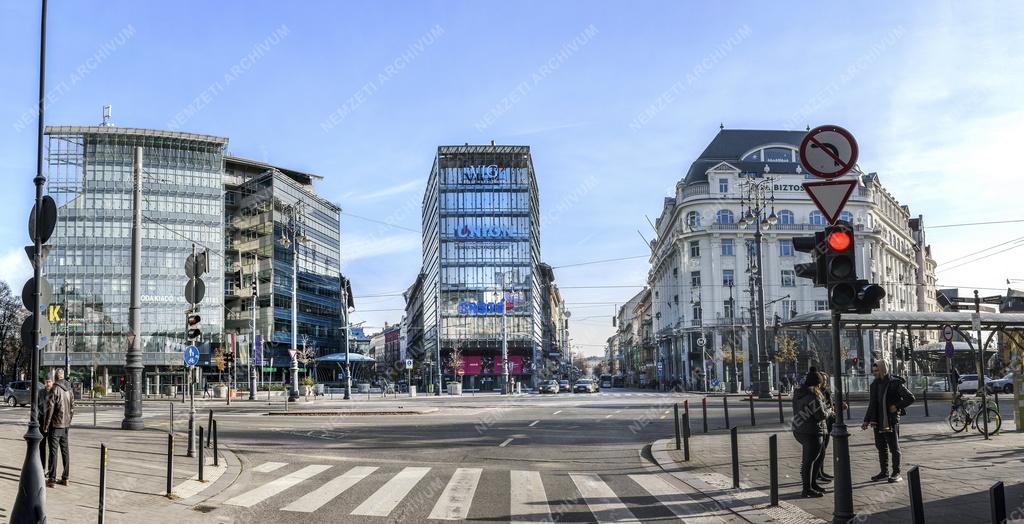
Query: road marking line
534	423
667	494
663	416
313	500
192	486
607	416
385	499
457	496
601	500
557	412
267	467
276	486
503	444
529	502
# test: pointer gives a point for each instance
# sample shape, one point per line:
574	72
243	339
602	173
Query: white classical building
700	276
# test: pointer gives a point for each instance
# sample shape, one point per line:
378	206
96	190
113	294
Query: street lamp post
295	214
732	342
758	195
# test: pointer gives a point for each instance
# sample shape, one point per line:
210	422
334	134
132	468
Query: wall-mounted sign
480	174
487	232
469	307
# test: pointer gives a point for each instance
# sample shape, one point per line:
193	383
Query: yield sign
830	197
292	352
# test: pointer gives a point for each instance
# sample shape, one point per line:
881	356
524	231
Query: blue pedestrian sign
191	356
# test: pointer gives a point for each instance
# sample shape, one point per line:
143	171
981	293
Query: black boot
895	477
881	476
811	493
820	489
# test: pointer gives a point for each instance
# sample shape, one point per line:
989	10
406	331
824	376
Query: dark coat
809	412
896	394
60	408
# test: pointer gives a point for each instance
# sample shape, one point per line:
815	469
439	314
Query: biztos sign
487	232
468	307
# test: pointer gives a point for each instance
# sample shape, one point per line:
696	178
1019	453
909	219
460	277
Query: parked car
17	393
585	385
969	383
1001	385
564	385
551	386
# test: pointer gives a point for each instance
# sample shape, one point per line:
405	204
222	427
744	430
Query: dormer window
772	154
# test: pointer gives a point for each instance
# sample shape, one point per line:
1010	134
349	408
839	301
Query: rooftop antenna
106	116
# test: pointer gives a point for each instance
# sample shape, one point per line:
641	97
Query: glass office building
481	251
89	174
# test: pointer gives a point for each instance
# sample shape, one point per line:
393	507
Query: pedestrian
206	390
826	393
808	424
889	398
42	414
61	408
955	379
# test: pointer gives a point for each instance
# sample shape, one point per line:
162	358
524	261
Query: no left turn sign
828	151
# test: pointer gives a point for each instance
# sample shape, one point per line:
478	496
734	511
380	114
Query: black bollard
170	423
704	409
102	507
686	407
675	418
725	403
773	470
916	502
202	454
925	395
997	500
782	417
216	455
735	458
686	436
170	463
209	425
753	422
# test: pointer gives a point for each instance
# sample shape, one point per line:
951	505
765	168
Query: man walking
60	409
889	397
42	414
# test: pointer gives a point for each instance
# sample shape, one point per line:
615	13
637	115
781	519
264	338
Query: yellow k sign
54	313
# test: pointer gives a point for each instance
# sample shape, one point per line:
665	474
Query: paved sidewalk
956	472
136	473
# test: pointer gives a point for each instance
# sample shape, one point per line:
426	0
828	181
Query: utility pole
982	386
732	342
347	342
252	352
67	344
133	357
437	390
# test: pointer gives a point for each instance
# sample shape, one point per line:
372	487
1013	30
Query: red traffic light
839	240
193	320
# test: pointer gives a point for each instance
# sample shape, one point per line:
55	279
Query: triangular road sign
830	197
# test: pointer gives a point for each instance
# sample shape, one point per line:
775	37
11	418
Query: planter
220	391
412	391
363	387
454	389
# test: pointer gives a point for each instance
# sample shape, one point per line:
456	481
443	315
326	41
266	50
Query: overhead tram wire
1001	244
964	224
382	222
982	258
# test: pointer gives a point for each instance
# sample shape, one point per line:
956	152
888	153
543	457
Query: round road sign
828	151
701	341
947	333
191	356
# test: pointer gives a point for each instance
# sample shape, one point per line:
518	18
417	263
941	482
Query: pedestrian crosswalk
418	493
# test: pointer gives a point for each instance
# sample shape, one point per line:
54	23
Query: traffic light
869	297
192	331
815	269
840	264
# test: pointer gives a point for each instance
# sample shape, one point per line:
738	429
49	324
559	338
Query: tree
787	350
218	360
12	314
454	360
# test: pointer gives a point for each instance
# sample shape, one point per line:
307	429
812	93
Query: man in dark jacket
60	409
42	414
889	398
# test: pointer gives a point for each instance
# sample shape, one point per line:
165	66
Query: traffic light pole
842	511
133	357
188	370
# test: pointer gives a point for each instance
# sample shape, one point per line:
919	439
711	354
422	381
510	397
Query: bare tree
12	314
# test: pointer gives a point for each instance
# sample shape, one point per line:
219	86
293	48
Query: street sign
28	294
48	220
947	333
292	352
701	342
26	332
196	266
191	356
200	290
976	321
994	299
461	372
949	349
828	151
830	197
30	252
408	363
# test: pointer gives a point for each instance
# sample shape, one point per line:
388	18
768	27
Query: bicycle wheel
995	422
957	420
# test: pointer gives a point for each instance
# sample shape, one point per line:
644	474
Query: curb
747	503
350	413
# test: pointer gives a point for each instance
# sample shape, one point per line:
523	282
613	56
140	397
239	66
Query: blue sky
616	100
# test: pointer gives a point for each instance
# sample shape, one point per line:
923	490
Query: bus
606	381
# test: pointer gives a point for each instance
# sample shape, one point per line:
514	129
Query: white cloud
15	268
355	246
390	191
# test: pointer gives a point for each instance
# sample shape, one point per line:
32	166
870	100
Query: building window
694	248
788	307
785	248
675	272
723	185
778	154
695	278
693	219
697	312
727	247
728	277
821	305
816	218
786	217
788	278
729	308
675	298
724	216
847	216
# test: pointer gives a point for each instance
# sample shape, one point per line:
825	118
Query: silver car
17	393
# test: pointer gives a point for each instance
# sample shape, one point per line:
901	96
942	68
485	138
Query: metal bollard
725	403
202	455
170	423
170	463
103	484
216	455
735	458
209	425
916	501
925	395
704	408
849	410
782	417
753	422
686	407
686	436
773	470
997	501
94	410
675	418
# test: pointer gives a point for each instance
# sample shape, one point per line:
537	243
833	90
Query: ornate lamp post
758	197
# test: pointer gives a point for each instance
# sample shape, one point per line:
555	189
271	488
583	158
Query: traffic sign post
191	356
828	151
830	197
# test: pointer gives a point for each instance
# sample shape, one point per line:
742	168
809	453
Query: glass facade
89	175
481	250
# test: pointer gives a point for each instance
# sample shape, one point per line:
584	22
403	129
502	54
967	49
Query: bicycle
966	413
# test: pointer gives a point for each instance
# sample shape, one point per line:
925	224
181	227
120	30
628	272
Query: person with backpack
61	409
889	398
